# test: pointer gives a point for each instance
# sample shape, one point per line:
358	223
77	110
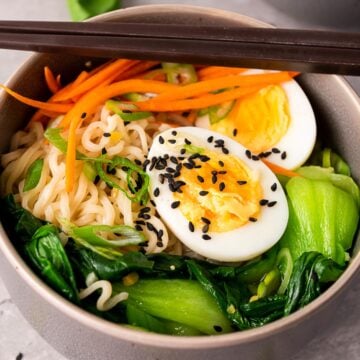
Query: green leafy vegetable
182	301
322	218
83	9
33	175
47	254
284	263
87	262
312	272
180	73
18	220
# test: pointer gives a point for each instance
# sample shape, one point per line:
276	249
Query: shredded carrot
280	170
50	79
58	108
202	87
93	81
211	72
192	116
157	74
198	103
136	70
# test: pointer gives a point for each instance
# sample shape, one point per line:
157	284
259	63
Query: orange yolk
260	120
227	206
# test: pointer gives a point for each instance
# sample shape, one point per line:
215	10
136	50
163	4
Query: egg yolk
223	193
260	119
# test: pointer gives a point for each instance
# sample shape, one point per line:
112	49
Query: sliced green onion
114	106
192	149
219	112
33	174
180	73
125	235
270	284
135	97
284	263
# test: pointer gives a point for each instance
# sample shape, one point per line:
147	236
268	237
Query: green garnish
33	175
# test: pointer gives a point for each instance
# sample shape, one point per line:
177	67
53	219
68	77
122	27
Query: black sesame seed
140	222
210	139
219	142
159	244
83	115
146	163
153	163
252	219
181	158
188	165
161	178
225	150
144	216
222	172
235	131
191	226
205	220
174	160
152	202
271	203
138	228
275	150
283	155
179	183
137	162
174	133
204	158
263	202
218	328
160	234
106	134
97	179
203	193
145	209
248	154
170	170
197	167
187	141
221	163
178	167
206	237
175	204
214	179
242	182
172	187
273	187
200	178
156	192
221	186
150	227
194	156
172	141
255	157
205	228
166	157
161	140
103	151
182	151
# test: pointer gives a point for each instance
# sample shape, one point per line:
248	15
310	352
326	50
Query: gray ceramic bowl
80	335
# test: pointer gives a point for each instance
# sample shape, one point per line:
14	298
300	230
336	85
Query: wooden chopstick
278	49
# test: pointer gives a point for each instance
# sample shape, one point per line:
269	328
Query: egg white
243	243
299	140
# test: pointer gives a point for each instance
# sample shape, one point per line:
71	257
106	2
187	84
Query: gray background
342	342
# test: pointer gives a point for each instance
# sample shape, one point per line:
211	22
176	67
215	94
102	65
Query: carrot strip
58	108
137	69
50	79
212	72
192	116
280	170
197	103
157	74
202	87
95	80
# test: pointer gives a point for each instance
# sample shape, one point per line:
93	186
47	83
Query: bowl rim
159	340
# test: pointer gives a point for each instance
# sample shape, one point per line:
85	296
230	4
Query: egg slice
219	202
277	122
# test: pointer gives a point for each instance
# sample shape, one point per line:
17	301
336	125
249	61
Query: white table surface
17	336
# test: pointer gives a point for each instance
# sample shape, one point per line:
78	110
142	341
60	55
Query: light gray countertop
17	336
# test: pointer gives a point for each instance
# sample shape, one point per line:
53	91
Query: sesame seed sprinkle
191	226
205	228
210	139
214	179
175	204
221	163
218	328
235	131
156	192
150	227
159	244
83	115
106	134
272	203
187	141
206	237
283	155
248	154
252	219
205	220
138	227
242	182
161	140
273	187
174	133
203	193
263	202
200	178
275	150
255	157
221	186
172	141
103	151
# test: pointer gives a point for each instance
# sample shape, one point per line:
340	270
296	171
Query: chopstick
278	49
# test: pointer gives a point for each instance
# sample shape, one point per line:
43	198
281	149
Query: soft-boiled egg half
218	202
277	123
